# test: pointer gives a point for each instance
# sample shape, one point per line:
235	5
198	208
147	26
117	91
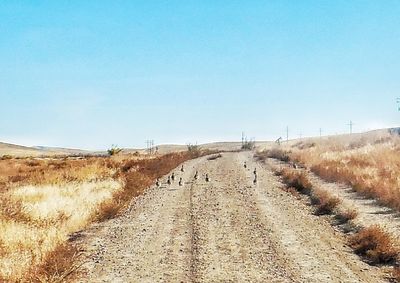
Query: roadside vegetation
369	163
44	201
297	182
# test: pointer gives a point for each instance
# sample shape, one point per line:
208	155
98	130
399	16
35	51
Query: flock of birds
254	172
171	178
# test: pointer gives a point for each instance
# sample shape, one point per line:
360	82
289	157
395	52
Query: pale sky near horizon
88	74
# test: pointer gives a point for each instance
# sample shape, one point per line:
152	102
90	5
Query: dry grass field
369	162
44	201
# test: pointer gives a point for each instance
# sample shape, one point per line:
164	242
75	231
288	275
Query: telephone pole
320	133
149	146
242	139
351	124
287	134
398	102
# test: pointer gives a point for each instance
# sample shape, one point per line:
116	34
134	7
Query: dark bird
255	179
207	179
180	182
245	165
173	176
158	182
255	171
169	180
182	169
196	175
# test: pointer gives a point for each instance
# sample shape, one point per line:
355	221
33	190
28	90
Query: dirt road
224	230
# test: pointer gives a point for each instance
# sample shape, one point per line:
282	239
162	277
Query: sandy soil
224	230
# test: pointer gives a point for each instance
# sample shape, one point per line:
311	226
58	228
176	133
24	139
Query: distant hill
17	150
23	151
37	151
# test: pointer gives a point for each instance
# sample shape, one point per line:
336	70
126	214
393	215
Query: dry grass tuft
297	180
276	153
326	203
57	266
375	245
347	215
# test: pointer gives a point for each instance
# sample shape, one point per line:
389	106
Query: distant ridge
37	151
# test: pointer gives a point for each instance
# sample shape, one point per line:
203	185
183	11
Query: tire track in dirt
231	241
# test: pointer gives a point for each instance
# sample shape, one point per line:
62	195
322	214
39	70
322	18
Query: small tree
193	147
248	145
114	150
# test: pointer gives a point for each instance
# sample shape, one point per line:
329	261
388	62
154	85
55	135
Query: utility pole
287	134
320	133
242	139
149	146
398	102
351	124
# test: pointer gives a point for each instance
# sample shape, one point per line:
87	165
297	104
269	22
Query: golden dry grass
42	218
369	163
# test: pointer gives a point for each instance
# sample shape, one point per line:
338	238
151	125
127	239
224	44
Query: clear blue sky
90	74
